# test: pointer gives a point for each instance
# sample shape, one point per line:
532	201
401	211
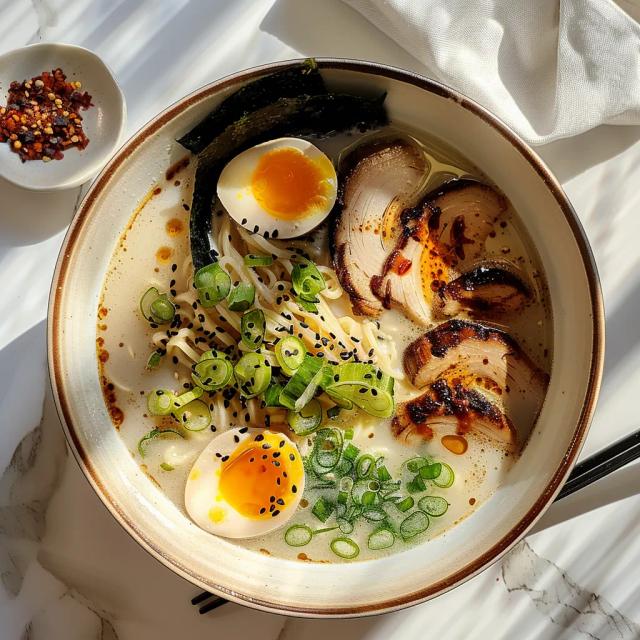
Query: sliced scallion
193	416
155	359
416	463
298	535
405	504
242	297
156	307
374	514
433	505
381	539
165	466
253	374
307	281
344	548
416	485
252	328
383	473
365	465
304	383
322	509
346	526
350	452
154	433
160	402
290	353
414	524
258	260
214	371
431	471
307	420
213	284
361	384
271	396
187	397
446	477
306	305
327	449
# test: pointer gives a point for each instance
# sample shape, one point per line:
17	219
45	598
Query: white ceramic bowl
103	123
309	589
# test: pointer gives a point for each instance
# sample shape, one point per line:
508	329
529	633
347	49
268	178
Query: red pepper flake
42	116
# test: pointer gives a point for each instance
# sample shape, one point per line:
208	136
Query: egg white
202	493
235	191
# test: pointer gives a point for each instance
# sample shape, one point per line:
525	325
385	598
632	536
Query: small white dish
104	123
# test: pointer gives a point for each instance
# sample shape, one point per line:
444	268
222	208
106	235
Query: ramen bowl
325	589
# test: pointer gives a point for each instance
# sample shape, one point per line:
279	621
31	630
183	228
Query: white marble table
68	571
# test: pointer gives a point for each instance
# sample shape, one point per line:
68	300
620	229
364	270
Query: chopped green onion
213	284
333	412
327	449
345	548
368	498
322	509
165	466
343	497
214	371
156	307
433	505
187	397
307	420
416	485
346	526
446	477
298	535
154	433
272	395
350	452
304	383
307	281
258	260
414	524
253	374
374	514
363	385
242	297
193	416
383	473
252	328
365	466
290	353
348	434
160	402
381	539
415	464
431	471
155	359
306	305
406	504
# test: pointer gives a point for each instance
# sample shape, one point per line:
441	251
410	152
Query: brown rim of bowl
552	488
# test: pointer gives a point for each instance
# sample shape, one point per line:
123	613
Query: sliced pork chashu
442	235
448	407
477	354
486	290
377	182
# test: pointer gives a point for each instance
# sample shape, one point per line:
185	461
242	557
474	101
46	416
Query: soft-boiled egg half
280	189
245	483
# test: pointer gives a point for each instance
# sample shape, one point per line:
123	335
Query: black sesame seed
259	437
236	438
262	510
294	489
275	513
225	458
292	457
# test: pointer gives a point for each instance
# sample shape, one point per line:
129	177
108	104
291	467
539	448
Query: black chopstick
594	468
602	464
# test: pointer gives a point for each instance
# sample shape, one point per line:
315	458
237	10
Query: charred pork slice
487	290
447	407
377	182
476	351
445	231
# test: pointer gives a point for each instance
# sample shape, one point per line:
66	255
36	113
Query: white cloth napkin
548	68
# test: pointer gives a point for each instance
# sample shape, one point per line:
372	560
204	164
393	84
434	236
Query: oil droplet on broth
174	227
163	254
455	444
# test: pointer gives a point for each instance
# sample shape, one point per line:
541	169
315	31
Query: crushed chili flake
42	116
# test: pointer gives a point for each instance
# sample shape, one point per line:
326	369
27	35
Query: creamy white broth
140	261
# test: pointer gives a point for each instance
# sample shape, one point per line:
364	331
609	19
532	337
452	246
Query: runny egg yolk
288	184
261	476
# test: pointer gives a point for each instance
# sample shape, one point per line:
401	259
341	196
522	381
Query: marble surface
68	571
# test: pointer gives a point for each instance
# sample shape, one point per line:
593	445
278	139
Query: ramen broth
154	251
